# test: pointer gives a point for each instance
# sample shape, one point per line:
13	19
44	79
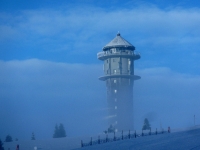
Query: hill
187	139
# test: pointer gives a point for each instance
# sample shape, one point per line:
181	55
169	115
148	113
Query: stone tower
118	56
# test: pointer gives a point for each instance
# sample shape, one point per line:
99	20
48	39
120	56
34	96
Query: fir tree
111	129
62	132
56	132
33	136
146	125
8	138
59	131
1	145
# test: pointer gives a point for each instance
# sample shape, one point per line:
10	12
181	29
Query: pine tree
1	145
8	138
33	136
62	132
146	125
111	129
59	131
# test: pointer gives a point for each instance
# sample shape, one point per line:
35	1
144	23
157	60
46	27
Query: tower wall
120	103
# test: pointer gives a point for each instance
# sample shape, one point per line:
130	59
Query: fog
37	94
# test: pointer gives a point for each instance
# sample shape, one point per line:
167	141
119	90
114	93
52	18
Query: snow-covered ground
179	139
50	144
182	139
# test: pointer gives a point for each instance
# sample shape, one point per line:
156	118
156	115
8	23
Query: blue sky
50	71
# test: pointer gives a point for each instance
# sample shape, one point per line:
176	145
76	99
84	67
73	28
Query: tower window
115	91
114	50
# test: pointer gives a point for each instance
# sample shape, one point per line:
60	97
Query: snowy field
184	139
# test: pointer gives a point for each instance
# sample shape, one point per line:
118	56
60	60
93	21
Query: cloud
79	26
164	37
37	94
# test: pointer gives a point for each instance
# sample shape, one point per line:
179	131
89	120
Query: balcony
134	77
130	54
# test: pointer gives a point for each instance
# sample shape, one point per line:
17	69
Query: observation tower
119	56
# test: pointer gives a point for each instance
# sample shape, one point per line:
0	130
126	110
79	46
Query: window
115	122
129	62
115	71
115	91
115	107
116	130
114	50
115	100
115	81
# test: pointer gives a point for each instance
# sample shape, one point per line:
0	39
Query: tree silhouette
62	132
33	136
59	131
8	138
56	134
111	129
1	145
146	125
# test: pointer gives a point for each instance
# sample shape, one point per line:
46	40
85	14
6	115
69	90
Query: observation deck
127	54
134	77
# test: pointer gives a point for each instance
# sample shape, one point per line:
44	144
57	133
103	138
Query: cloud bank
37	94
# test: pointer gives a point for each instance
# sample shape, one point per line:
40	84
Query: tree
1	145
111	129
146	125
8	138
33	136
62	132
59	131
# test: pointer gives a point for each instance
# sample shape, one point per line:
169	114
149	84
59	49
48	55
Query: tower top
119	42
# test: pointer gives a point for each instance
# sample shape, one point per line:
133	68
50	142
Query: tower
118	56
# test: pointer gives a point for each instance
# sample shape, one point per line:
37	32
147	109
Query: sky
49	68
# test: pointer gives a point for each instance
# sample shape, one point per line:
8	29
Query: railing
102	54
121	137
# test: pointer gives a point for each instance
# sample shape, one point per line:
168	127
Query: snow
178	139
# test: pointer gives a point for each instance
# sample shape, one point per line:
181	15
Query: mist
36	94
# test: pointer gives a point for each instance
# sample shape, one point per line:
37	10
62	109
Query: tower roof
119	42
